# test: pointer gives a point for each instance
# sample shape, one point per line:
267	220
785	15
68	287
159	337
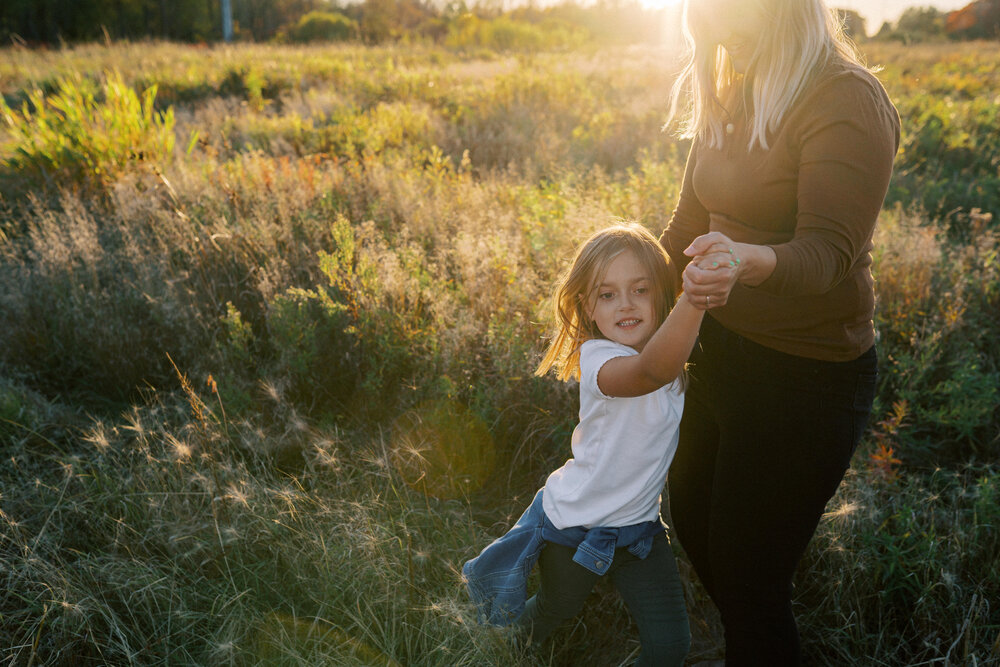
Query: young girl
598	515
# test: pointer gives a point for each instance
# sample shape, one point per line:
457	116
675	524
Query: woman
793	144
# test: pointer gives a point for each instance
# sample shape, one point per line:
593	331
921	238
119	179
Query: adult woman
793	143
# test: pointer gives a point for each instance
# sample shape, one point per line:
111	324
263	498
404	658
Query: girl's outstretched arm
661	360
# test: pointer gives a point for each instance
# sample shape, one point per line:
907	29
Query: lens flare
442	449
280	638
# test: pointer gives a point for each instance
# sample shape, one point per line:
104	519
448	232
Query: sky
875	12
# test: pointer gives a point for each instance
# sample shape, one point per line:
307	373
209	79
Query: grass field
268	319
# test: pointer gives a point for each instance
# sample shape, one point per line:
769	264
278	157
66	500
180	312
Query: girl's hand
714	269
719	263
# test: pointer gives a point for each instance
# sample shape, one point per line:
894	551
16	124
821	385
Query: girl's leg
651	588
564	589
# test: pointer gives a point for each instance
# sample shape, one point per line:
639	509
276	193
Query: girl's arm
661	360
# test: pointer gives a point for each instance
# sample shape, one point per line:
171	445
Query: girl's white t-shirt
622	449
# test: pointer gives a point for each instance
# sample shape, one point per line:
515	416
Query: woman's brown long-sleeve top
814	197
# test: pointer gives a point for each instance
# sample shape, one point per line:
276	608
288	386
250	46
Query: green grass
263	391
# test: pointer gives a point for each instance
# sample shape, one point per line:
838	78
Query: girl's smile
622	306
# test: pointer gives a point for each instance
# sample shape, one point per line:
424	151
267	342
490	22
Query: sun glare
670	16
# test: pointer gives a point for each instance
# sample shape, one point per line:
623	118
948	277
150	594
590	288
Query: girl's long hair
573	296
801	38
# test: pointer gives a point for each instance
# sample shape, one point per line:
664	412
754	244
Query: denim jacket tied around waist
497	579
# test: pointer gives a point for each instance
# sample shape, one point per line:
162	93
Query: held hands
714	269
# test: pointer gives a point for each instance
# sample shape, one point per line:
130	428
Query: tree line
52	21
36	22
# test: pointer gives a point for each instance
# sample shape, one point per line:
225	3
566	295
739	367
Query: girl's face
622	305
735	24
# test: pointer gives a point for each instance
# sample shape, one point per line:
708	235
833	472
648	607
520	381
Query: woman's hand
719	263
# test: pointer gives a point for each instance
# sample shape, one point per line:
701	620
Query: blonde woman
793	145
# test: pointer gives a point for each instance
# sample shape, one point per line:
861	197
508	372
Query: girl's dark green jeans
650	587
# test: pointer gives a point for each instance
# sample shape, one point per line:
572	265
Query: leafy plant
75	136
323	26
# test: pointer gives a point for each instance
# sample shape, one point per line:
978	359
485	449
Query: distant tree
854	24
378	17
919	24
413	13
322	27
885	32
50	21
977	20
434	29
260	20
383	20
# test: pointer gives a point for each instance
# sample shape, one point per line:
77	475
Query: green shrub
321	26
254	84
937	337
384	298
76	136
507	34
313	353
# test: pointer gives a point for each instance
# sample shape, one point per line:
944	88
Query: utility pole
227	20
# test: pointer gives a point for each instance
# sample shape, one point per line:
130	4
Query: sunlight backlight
875	12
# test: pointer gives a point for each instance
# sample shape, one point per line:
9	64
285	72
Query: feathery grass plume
893	558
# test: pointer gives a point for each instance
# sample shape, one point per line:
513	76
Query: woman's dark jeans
650	587
765	440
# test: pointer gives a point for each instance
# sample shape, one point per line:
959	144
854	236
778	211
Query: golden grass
350	243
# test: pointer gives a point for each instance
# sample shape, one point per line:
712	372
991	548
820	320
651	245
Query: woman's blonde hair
572	299
803	36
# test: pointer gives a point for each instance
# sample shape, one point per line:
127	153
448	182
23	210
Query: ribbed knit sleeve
847	133
689	219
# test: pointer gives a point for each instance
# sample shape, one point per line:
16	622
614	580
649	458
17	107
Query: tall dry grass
260	397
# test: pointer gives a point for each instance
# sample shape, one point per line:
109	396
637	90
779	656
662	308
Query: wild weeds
74	137
909	567
936	339
306	346
882	463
